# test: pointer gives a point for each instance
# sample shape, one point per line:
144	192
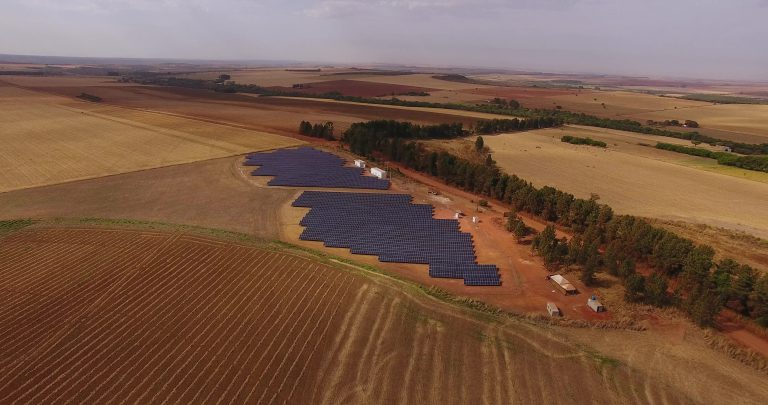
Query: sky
725	39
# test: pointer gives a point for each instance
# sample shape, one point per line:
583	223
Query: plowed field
135	316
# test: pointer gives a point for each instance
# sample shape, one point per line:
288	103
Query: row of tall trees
324	131
495	126
753	162
602	240
408	130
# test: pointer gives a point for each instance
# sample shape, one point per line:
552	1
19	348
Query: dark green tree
634	287
479	144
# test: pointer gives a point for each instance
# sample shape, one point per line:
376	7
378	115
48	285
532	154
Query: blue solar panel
309	167
391	227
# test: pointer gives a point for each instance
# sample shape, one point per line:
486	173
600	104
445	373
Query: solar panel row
391	227
309	167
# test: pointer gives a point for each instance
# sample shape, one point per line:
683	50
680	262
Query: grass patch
12	225
600	359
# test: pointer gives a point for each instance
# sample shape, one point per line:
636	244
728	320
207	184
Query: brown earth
100	315
356	88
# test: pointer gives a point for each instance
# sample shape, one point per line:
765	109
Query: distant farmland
99	315
50	139
633	179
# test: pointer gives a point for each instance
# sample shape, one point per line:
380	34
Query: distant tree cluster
90	97
323	131
506	103
602	241
673	123
583	141
400	129
754	162
496	126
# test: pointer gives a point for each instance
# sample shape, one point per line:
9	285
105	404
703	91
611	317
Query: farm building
382	174
360	163
595	305
553	309
563	285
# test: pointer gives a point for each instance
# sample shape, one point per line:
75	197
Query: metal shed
563	285
553	309
380	173
595	305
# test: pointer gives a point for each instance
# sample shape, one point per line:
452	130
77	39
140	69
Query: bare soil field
49	139
633	184
99	315
355	88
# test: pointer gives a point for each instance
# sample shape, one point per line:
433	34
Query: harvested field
278	115
738	122
632	184
272	77
523	93
617	103
49	139
212	194
417	80
355	88
97	315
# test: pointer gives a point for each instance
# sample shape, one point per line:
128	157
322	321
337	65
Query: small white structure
475	220
562	284
553	309
456	215
382	174
360	163
595	305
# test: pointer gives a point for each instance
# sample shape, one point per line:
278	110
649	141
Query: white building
562	284
360	163
382	174
595	305
553	309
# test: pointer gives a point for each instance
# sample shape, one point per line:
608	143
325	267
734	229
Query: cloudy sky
675	38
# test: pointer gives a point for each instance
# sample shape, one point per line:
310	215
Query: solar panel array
391	227
309	167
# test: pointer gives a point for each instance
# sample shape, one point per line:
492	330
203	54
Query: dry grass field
49	139
647	185
738	122
140	316
211	193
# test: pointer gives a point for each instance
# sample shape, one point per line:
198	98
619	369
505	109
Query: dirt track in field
100	315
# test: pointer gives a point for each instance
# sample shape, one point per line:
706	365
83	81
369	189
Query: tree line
496	126
323	131
755	162
583	141
602	241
